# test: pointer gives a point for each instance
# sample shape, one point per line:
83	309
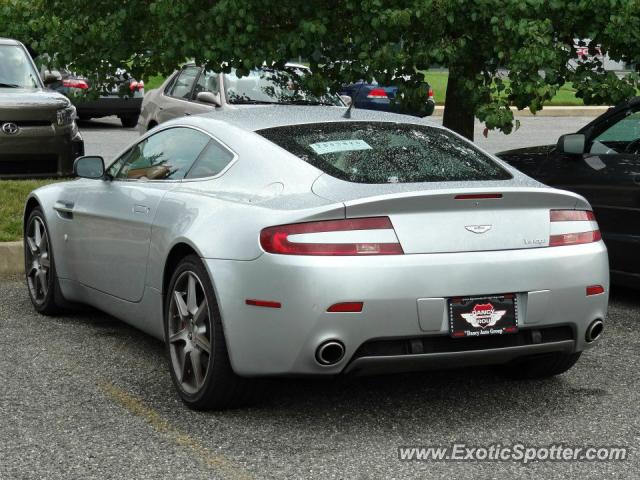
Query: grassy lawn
438	81
153	82
13	194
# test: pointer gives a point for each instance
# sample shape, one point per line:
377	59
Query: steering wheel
633	147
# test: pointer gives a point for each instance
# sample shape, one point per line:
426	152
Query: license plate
480	316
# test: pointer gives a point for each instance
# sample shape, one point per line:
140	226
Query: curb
11	258
586	111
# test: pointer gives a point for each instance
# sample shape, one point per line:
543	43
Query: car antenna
347	114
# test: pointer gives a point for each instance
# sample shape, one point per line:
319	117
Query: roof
9	41
270	116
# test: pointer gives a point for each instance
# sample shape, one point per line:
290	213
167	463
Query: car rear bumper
404	322
106	106
40	152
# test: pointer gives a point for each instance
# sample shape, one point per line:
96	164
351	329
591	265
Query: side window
167	155
619	135
211	161
184	83
207	82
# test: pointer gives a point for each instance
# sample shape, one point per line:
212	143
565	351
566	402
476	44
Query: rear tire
196	347
542	366
129	121
40	267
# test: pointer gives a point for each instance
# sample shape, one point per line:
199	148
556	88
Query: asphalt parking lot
85	396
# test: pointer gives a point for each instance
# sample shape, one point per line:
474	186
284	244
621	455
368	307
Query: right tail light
573	227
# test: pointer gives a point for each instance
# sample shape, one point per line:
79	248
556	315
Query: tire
190	326
40	268
129	121
542	366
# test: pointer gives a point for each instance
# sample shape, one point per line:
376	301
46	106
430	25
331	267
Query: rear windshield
382	152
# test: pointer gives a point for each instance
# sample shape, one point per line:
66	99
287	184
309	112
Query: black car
601	162
123	99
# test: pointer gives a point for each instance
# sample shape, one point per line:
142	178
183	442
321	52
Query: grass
154	82
13	194
566	96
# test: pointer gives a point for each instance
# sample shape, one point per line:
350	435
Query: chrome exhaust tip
594	331
330	352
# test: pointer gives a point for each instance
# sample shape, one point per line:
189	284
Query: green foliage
347	40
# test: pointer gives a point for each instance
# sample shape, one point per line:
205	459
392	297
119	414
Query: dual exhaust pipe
594	331
330	352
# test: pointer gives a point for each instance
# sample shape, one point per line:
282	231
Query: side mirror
210	98
346	99
572	144
89	167
49	77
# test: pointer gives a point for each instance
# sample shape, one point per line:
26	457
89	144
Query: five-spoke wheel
189	331
197	350
39	265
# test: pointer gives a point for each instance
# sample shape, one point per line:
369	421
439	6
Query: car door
175	101
112	219
207	81
608	175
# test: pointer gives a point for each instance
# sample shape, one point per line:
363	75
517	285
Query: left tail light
573	227
75	83
134	85
377	93
357	236
430	94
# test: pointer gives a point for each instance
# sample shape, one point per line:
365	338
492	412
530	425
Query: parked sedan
193	90
601	162
286	240
123	99
373	96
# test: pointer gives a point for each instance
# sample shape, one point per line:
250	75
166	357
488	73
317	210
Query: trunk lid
440	220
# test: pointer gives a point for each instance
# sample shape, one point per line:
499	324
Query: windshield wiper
306	102
251	102
9	85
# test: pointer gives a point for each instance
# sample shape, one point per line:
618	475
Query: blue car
373	96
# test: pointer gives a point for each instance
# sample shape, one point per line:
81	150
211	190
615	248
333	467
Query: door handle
141	209
186	114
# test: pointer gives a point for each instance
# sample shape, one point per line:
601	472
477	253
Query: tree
498	52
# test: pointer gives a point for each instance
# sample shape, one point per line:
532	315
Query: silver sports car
281	240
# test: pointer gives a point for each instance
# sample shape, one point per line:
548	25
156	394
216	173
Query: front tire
39	266
196	347
543	366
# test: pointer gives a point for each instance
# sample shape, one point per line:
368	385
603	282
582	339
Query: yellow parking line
226	467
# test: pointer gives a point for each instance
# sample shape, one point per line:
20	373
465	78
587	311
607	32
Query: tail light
573	227
377	93
134	85
357	236
75	83
430	94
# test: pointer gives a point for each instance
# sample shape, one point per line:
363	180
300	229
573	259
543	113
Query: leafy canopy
481	42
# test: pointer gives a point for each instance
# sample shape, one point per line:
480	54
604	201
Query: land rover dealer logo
10	128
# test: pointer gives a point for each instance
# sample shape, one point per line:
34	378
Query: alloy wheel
38	260
189	332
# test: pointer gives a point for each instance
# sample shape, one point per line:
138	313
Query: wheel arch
31	204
